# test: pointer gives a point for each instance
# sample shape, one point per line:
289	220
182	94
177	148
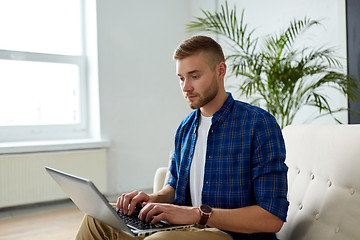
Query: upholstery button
329	183
300	206
298	171
312	176
352	191
317	216
337	229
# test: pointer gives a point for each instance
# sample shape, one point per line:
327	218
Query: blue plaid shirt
244	163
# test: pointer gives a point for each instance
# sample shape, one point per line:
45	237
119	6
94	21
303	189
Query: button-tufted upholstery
324	182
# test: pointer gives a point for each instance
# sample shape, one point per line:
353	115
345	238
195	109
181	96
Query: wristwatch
205	212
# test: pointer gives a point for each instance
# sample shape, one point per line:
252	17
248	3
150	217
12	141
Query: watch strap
204	216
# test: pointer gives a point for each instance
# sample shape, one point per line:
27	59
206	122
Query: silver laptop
89	200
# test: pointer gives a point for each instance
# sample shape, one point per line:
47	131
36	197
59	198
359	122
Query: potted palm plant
272	72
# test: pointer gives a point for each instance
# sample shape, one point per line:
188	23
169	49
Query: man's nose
186	86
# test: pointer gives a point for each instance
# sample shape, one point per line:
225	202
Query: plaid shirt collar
222	113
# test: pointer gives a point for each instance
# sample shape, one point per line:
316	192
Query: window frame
79	130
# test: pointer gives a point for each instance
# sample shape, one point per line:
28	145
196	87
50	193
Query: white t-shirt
198	162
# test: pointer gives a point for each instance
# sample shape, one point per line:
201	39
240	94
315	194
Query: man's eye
195	76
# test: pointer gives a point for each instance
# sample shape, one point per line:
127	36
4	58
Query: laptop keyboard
135	222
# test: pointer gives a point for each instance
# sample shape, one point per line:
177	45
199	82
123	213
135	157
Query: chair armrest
160	179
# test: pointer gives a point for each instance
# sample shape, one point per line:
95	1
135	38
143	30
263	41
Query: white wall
141	104
140	100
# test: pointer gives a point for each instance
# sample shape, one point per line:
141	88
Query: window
43	85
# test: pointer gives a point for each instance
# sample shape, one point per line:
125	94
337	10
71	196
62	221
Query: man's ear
221	70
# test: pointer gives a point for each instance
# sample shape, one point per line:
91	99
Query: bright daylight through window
42	70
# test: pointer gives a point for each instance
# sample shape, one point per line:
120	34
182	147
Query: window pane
41	26
38	93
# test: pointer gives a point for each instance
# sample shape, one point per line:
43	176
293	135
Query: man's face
198	81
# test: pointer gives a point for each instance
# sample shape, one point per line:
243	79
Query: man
228	170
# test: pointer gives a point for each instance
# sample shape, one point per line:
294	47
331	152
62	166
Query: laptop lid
88	199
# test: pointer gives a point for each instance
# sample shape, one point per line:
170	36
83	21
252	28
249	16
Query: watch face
206	209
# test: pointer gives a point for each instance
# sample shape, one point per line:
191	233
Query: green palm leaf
275	74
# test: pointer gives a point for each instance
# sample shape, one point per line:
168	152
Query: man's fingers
125	200
139	198
118	204
154	212
144	211
157	218
151	210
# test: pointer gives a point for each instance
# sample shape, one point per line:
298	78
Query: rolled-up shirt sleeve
269	171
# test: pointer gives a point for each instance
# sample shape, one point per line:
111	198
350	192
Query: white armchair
324	182
160	178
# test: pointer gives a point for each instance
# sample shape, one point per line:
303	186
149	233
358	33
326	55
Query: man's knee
91	229
192	233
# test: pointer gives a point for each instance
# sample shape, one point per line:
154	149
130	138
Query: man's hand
127	202
169	212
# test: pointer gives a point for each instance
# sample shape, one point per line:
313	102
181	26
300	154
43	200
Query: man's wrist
205	213
197	215
165	195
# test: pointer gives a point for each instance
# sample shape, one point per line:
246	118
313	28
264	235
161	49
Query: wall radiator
23	179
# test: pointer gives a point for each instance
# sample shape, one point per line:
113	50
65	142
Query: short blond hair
197	44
